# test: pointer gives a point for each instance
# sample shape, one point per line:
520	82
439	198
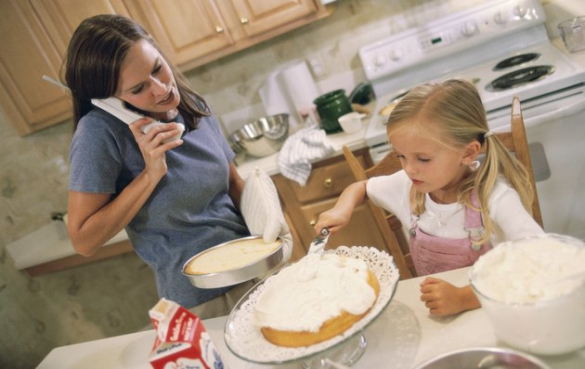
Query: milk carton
181	340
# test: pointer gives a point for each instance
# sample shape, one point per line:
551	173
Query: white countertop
270	163
404	335
47	244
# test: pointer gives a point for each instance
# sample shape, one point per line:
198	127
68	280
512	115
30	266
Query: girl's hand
338	217
334	219
151	146
443	298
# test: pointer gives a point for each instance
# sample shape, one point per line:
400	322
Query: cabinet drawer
361	230
327	180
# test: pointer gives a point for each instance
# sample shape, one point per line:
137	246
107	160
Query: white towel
299	150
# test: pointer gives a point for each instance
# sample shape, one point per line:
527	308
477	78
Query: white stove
469	45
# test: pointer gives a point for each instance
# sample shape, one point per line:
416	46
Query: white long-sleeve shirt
511	221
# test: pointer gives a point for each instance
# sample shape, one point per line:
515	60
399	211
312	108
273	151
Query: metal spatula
319	242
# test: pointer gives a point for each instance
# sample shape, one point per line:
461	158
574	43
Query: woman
174	198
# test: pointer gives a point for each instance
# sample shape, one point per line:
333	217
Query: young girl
455	208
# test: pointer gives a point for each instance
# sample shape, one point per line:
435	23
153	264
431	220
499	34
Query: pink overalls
432	254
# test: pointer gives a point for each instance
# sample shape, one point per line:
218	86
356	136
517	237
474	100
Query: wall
112	297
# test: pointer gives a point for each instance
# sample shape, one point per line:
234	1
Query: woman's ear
472	150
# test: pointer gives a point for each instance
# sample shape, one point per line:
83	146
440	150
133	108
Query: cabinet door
27	53
34	43
61	17
185	29
258	16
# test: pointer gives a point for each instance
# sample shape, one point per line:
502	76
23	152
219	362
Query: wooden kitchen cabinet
34	40
192	32
195	32
302	205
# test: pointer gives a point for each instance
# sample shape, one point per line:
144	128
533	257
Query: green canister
331	106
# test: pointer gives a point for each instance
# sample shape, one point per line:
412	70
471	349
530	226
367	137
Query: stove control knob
469	28
500	18
395	54
520	11
379	60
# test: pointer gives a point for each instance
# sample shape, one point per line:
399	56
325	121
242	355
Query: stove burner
516	60
520	77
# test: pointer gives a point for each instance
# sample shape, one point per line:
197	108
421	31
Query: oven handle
561	112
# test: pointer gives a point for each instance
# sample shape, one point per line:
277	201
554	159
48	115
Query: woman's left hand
442	298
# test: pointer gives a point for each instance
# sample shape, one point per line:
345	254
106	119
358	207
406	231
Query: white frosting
317	288
529	271
231	256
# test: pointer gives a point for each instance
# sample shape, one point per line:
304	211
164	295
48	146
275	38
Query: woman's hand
152	147
442	298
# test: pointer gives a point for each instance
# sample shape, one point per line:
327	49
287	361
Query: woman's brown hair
94	56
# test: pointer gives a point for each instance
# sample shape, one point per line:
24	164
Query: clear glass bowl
548	325
573	33
246	341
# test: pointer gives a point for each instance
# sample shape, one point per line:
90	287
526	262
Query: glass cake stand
245	340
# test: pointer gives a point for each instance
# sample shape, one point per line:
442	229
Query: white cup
351	122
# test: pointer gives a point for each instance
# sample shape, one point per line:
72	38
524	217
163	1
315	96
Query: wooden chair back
388	225
515	141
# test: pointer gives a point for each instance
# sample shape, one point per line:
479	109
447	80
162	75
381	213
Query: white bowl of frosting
533	291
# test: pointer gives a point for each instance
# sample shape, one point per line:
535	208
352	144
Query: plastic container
529	311
573	33
352	122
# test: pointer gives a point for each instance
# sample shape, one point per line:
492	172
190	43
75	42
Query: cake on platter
315	299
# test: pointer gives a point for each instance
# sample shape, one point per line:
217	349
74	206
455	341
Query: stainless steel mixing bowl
264	136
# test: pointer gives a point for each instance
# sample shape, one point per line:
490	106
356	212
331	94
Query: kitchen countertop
270	163
404	335
46	244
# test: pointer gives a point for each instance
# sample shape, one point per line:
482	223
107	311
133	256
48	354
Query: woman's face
147	82
433	168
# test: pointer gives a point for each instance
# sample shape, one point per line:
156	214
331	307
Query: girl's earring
474	165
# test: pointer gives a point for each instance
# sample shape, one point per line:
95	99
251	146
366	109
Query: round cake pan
484	357
238	275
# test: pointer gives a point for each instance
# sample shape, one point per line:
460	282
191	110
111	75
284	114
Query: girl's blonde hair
454	109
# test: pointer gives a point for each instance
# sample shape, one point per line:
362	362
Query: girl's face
433	168
147	82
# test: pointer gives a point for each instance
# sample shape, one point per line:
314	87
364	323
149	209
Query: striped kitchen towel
300	150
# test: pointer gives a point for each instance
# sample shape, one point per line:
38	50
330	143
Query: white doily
246	341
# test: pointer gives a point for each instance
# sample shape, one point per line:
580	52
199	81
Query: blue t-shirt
190	209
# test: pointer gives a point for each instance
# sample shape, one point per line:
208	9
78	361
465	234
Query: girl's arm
93	219
236	185
338	217
442	298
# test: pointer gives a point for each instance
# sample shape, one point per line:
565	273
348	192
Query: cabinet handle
313	222
244	20
328	183
218	29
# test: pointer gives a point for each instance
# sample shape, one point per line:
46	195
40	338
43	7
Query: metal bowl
484	357
264	136
230	277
